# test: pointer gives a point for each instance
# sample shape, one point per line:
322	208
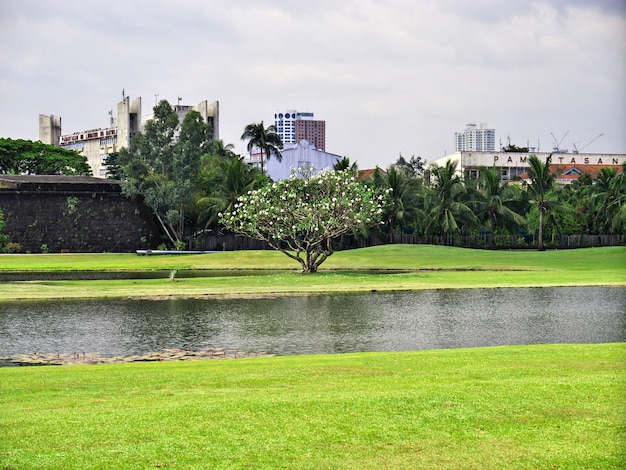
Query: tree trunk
540	246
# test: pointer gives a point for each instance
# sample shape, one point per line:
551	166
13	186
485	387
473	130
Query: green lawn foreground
359	270
524	407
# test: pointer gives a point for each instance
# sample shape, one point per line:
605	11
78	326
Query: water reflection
319	324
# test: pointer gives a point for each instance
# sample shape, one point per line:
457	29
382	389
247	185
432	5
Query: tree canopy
301	216
266	139
162	164
25	157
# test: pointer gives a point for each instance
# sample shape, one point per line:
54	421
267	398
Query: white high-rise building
475	138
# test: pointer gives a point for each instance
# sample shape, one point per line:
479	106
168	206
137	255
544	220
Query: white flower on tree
316	210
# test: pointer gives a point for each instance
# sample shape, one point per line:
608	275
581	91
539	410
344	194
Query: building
293	127
96	144
303	155
475	138
513	165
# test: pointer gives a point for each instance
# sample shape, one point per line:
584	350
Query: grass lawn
528	407
361	270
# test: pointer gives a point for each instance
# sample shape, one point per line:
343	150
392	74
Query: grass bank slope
385	268
527	407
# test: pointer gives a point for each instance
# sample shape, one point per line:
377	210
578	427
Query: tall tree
162	165
402	202
498	204
446	209
608	201
265	139
25	157
539	192
226	179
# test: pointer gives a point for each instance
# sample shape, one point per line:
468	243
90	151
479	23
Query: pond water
399	321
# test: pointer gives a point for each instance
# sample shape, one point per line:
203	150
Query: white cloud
387	76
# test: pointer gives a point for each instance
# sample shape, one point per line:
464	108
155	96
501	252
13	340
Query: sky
389	77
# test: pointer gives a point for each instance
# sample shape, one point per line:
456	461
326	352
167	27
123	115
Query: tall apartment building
293	126
475	138
96	144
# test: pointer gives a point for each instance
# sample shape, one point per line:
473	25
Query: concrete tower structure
50	129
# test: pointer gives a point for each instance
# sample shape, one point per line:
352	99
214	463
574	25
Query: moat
399	321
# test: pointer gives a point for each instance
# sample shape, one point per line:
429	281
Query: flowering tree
300	216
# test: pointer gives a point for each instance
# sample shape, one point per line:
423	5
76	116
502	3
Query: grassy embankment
555	406
362	270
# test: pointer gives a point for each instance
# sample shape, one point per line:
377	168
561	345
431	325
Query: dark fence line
231	242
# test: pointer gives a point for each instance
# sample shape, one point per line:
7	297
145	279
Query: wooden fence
231	242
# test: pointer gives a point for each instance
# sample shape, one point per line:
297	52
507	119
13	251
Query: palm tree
445	205
265	139
220	149
497	203
608	201
345	164
233	179
541	182
402	202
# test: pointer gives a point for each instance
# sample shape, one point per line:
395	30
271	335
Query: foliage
224	179
446	207
346	164
512	148
414	166
301	216
24	157
498	205
113	167
265	139
402	205
608	201
4	239
540	194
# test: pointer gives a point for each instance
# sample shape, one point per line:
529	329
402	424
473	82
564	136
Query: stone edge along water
39	359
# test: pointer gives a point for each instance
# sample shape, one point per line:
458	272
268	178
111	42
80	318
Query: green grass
361	270
556	406
527	407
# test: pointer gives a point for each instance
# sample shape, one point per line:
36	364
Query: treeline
188	181
468	211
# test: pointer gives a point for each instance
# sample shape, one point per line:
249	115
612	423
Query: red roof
566	173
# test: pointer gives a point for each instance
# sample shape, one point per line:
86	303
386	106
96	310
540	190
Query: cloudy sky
387	76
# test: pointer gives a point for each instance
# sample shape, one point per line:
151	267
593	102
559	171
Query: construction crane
557	145
578	150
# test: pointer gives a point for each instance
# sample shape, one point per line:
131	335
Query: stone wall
74	214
